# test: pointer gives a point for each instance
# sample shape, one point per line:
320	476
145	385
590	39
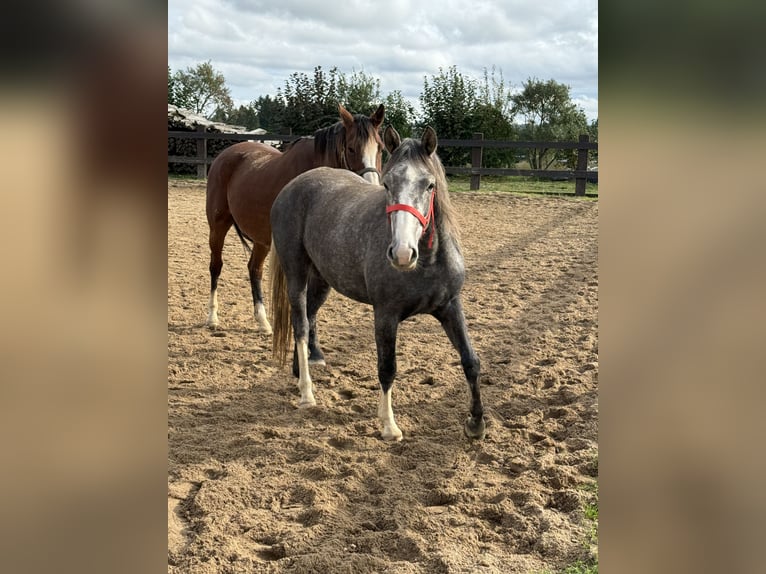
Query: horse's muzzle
402	257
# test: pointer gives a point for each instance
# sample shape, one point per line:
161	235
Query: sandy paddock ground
257	485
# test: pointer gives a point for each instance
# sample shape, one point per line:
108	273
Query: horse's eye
431	186
351	151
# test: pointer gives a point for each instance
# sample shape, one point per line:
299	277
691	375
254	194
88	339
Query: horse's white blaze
369	159
386	415
212	318
261	320
305	385
405	234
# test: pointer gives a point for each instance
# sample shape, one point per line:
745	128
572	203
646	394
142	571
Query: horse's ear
345	116
377	117
429	141
391	139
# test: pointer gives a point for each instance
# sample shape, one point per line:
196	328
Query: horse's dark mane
411	151
330	142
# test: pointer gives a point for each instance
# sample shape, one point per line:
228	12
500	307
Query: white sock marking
261	320
212	318
386	415
304	381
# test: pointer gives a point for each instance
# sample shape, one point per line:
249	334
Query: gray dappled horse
331	229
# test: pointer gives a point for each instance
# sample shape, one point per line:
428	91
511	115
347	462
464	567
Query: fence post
476	162
582	166
201	154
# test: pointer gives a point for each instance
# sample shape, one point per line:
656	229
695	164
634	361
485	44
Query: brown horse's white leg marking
212	318
260	319
386	415
304	381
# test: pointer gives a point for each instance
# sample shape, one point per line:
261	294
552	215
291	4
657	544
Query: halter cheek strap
424	221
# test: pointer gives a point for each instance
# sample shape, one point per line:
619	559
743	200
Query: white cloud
257	44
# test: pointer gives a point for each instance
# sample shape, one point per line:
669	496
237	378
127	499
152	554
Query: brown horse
245	179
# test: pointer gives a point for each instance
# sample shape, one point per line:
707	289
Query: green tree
202	90
171	88
179	93
244	115
448	101
271	112
399	113
359	93
593	134
310	102
548	114
492	117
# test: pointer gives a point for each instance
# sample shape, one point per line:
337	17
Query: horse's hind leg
385	341
301	331
453	321
218	230
316	294
255	268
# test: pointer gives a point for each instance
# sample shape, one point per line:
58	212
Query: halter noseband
424	221
368	170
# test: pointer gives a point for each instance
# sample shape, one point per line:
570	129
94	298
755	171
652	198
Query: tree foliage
201	89
593	134
454	104
457	106
548	114
359	92
310	102
492	117
399	113
244	115
271	112
447	101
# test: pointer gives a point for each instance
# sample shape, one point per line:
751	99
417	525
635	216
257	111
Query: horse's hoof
393	436
212	325
263	326
317	362
307	404
475	430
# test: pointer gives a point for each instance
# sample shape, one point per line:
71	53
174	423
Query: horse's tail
280	310
243	238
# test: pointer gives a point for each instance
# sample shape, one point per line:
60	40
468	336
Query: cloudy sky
257	44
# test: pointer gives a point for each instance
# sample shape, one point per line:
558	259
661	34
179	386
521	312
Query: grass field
510	184
523	185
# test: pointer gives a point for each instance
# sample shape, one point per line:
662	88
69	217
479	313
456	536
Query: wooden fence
580	174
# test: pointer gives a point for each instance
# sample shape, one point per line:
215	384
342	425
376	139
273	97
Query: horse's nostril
390	253
413	255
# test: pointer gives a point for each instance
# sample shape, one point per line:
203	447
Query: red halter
424	221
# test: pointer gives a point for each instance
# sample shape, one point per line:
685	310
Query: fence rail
581	174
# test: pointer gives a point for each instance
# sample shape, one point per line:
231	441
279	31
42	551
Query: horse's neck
443	238
300	157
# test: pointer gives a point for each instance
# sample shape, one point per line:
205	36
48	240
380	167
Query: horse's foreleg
385	341
255	267
453	321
